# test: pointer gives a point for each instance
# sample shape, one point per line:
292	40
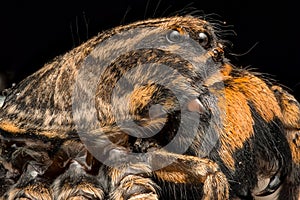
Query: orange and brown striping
149	110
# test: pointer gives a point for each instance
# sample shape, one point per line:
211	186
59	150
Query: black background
33	33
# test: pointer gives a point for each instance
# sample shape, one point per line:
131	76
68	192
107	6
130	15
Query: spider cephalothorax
150	110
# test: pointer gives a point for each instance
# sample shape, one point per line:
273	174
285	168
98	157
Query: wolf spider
149	110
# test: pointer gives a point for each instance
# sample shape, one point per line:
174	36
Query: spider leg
130	178
131	181
7	174
78	180
38	191
30	185
290	108
193	170
75	183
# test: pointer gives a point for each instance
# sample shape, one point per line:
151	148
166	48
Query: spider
150	110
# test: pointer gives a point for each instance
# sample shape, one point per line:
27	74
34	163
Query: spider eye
174	36
203	39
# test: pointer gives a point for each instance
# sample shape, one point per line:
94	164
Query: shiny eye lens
174	36
203	39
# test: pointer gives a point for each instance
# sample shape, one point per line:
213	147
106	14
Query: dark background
32	33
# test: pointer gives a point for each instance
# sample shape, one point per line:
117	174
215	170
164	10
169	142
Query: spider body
150	110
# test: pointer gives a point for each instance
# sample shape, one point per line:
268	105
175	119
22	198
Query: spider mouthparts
274	184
